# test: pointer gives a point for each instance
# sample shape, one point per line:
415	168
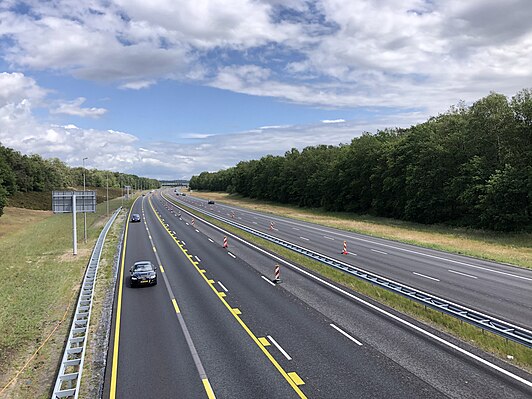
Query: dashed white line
254	222
379	252
186	223
197	231
183	242
198	259
210	240
279	347
461	274
304	238
268	280
223	287
346	334
295	228
329	238
422	275
231	255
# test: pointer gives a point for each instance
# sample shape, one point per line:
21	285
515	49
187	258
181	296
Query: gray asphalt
394	360
500	290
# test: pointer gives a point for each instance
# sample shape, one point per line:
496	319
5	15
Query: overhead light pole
107	191
84	213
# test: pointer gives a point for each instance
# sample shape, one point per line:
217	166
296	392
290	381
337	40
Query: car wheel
155	281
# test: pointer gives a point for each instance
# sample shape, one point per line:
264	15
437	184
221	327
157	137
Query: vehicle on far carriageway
143	273
210	202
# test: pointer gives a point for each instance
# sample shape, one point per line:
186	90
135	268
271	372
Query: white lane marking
239	218
461	274
173	232
198	259
231	255
379	252
379	310
183	242
346	334
329	238
279	347
186	223
223	287
197	231
210	240
422	275
254	222
305	238
268	280
295	228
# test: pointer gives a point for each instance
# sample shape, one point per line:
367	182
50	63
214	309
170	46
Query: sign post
73	202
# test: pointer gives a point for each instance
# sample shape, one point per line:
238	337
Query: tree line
25	173
471	166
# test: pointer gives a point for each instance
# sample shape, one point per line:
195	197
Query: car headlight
133	278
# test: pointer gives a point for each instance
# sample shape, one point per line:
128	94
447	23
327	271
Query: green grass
492	343
41	280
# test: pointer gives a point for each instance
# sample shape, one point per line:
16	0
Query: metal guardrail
69	377
481	320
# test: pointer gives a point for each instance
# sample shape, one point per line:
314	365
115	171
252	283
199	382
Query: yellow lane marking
114	367
236	311
210	281
297	379
221	294
162	270
203	271
241	322
175	306
264	341
208	389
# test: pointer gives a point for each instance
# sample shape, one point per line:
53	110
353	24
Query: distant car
210	202
143	273
183	194
135	218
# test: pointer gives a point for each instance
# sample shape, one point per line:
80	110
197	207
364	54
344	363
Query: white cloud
138	85
74	108
15	87
333	121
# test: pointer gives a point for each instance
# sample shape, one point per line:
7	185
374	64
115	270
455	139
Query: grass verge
512	248
509	351
42	280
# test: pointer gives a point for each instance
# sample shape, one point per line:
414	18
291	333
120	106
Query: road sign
62	201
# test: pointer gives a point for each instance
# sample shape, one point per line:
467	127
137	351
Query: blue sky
167	88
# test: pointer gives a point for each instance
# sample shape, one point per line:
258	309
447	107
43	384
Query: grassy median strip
40	285
513	248
508	351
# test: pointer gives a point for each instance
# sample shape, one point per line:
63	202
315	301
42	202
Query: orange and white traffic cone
225	243
277	273
344	252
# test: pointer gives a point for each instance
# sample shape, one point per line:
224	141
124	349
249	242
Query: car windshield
142	267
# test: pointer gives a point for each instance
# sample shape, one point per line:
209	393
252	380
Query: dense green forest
471	166
30	173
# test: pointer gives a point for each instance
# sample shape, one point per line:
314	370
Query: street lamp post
84	213
107	191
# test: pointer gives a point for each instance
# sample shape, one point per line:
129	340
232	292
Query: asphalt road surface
500	290
216	325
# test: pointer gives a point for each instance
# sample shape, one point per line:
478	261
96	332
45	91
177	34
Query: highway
215	325
500	290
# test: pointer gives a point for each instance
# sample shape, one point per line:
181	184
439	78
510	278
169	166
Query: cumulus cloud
333	121
138	85
74	108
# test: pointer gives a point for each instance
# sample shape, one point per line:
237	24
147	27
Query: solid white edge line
279	347
223	286
345	334
379	310
422	275
461	274
268	280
